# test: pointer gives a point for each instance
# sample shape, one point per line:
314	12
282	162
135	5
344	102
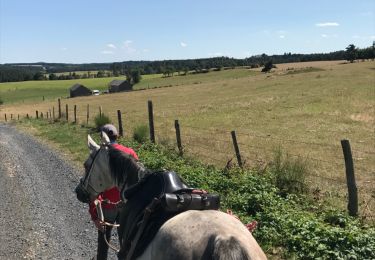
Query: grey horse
208	234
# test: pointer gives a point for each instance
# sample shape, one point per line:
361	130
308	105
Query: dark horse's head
104	168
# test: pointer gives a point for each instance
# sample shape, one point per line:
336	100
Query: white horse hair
208	234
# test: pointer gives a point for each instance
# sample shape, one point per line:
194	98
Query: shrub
289	173
140	133
101	120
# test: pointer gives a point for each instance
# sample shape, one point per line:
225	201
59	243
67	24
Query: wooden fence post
37	114
27	116
121	130
41	115
151	121
53	113
178	137
75	114
11	116
100	111
66	111
88	114
6	120
237	150
18	117
350	178
59	104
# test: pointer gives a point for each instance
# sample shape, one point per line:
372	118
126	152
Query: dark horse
193	234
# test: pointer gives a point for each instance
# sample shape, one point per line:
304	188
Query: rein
99	210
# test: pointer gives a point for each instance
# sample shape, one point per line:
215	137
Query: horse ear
105	138
91	144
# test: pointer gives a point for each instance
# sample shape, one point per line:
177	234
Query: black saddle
156	198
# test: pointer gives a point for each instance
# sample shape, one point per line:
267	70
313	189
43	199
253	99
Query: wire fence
326	177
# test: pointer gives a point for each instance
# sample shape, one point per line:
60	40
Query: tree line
133	70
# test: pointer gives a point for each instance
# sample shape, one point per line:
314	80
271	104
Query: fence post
41	115
27	116
59	104
88	114
100	111
237	150
6	120
178	137
11	116
53	113
121	130
151	121
37	114
350	178
18	117
75	114
66	112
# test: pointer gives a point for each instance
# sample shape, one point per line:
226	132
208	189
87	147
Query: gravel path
40	216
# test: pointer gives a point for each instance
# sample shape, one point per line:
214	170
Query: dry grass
307	114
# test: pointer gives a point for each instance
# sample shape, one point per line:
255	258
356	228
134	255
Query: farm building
119	85
78	90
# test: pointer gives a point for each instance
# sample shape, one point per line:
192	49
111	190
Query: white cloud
328	24
111	45
329	35
183	45
282	36
107	52
128	46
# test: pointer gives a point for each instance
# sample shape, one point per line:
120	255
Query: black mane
124	167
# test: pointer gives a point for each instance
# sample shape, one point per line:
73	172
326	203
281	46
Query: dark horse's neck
124	168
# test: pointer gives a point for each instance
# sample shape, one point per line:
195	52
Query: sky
89	31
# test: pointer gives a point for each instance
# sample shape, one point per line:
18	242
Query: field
306	109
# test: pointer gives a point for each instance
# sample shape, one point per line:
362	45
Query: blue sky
81	31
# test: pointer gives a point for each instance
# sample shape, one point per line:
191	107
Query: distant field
306	113
33	91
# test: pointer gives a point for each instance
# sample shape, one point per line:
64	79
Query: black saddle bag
189	201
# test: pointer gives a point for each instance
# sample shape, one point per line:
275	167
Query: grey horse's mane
124	167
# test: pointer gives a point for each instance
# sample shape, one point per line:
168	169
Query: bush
140	133
289	173
101	120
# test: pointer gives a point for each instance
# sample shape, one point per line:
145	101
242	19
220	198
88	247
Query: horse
193	234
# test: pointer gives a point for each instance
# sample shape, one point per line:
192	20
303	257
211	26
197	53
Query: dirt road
40	217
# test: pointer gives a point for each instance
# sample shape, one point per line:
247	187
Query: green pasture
34	91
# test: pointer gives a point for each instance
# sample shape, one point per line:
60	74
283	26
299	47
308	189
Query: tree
52	76
38	76
136	76
351	53
268	66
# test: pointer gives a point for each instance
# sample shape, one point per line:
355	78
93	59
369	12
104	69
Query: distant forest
55	71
